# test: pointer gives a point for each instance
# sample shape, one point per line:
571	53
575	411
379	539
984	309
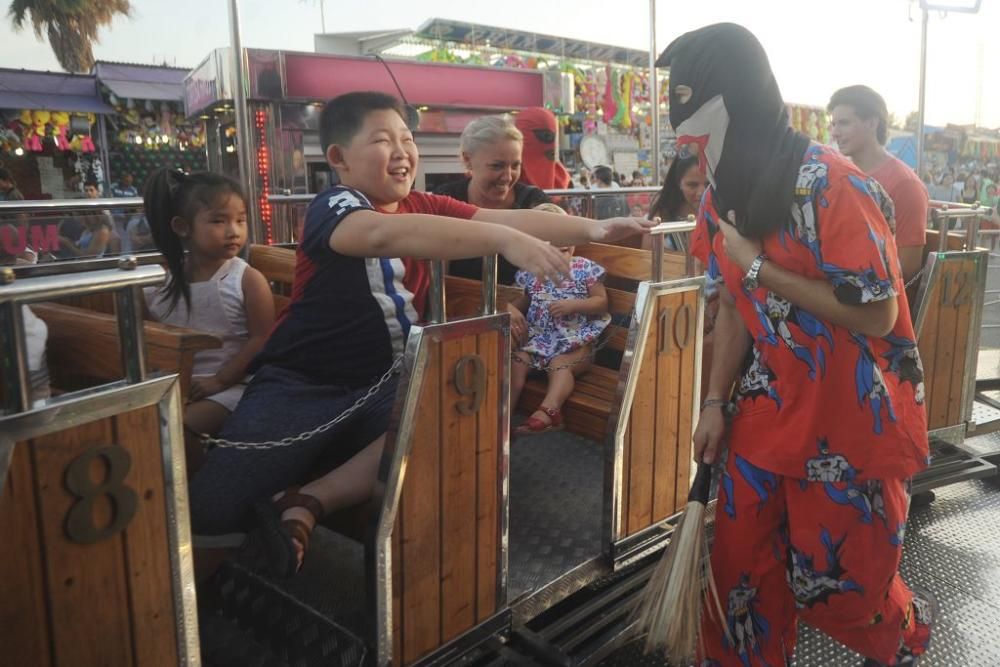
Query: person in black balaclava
828	424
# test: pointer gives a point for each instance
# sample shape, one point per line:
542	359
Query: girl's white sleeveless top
216	307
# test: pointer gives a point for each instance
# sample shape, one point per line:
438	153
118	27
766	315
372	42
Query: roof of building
142	82
55	91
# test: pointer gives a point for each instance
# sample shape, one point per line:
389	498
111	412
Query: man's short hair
604	174
343	116
867	104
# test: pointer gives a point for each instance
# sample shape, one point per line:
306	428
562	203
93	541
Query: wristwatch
750	281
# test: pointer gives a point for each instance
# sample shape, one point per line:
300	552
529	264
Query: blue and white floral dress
549	336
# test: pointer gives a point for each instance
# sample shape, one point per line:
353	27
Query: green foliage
71	26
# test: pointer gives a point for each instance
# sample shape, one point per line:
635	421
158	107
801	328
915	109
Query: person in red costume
827	425
540	166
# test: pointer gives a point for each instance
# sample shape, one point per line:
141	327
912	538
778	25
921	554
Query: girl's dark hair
169	194
670	199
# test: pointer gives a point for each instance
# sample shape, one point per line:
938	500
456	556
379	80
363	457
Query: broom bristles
669	610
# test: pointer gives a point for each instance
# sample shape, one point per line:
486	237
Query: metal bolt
7	275
128	263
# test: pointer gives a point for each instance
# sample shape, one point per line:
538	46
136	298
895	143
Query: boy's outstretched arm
563	230
366	233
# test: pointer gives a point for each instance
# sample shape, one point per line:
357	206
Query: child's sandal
533	425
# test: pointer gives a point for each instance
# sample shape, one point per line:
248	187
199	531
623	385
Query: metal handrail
125	281
46	205
673	227
941	213
73	266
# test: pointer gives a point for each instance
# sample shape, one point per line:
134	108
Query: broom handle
701	484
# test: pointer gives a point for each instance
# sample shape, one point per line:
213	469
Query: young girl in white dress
564	323
199	224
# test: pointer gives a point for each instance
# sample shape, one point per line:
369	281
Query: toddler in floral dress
564	321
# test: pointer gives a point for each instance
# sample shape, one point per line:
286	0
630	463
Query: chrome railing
51	230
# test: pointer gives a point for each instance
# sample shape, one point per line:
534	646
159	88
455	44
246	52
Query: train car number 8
80	526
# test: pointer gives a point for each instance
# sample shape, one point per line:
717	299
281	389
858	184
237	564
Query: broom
669	610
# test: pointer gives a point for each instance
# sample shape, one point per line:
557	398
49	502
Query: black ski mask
737	117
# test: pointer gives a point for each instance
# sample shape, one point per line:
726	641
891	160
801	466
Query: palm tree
71	26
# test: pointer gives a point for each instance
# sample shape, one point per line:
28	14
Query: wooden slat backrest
446	532
105	602
277	264
946	336
657	399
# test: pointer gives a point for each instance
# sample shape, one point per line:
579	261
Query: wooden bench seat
587	409
83	347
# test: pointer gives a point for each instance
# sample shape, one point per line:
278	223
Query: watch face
594	152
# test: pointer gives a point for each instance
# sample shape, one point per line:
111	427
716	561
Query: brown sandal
533	425
297	529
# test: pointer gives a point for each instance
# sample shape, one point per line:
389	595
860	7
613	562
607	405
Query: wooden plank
685	427
87	588
666	441
421	538
277	264
458	496
487	482
630	263
620	301
23	618
641	425
147	547
963	320
397	589
937	409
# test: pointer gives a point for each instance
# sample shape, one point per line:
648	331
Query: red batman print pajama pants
825	552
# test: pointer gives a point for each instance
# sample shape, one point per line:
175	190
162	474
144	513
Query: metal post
102	136
437	291
654	95
940	221
490	285
17	385
923	90
131	339
657	272
244	154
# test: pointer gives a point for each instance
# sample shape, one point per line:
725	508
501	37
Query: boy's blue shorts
279	403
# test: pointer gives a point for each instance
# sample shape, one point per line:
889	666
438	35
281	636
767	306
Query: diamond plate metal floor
556	492
953	548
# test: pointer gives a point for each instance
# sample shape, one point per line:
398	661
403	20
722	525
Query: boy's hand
613	229
562	308
540	258
204	387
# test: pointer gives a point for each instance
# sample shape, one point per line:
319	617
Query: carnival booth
52	134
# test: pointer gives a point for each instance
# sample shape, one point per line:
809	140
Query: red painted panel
320	77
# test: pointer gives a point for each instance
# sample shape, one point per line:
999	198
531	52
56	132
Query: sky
815	46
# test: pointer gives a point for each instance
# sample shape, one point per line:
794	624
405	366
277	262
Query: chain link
915	277
306	435
601	344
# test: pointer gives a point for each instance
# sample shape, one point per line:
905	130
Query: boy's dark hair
171	193
5	175
343	116
867	104
603	174
91	183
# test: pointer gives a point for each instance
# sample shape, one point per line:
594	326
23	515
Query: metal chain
915	277
306	435
601	344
